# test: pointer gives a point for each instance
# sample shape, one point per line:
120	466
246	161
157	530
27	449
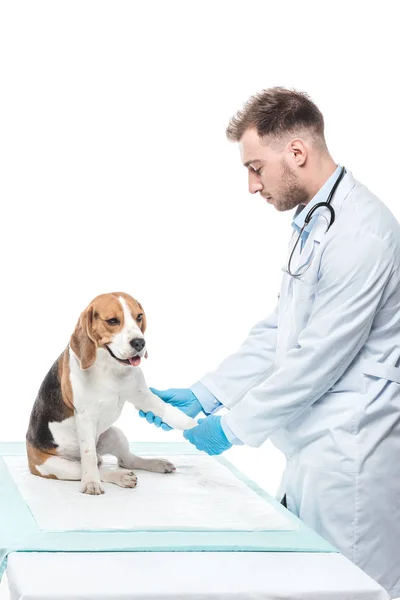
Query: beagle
83	394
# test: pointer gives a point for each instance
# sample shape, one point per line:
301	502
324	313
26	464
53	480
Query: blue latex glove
183	399
208	436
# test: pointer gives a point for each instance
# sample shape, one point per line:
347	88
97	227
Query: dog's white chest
101	392
101	396
105	409
101	410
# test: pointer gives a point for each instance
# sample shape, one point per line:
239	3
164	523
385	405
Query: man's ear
298	152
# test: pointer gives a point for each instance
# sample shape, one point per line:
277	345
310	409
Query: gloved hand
208	436
183	399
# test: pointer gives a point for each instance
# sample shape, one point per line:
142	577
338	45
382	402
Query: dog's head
115	322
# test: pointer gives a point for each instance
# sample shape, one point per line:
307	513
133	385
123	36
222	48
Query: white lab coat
321	378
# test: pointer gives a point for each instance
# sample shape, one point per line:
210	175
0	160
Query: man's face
270	172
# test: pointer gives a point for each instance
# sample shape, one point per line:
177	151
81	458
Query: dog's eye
113	321
139	318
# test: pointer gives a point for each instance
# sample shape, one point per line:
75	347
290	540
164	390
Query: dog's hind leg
57	467
114	442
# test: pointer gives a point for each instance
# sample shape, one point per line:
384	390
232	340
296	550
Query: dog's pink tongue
135	361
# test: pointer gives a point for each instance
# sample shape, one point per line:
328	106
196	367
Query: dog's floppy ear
143	322
82	344
143	325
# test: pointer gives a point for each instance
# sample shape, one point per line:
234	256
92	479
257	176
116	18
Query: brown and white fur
83	395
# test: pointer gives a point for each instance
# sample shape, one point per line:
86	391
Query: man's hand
183	399
208	436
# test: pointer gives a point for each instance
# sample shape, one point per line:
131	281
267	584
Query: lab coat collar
321	196
320	223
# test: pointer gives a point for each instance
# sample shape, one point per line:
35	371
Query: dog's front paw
94	488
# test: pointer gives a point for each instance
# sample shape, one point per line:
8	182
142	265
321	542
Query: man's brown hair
276	112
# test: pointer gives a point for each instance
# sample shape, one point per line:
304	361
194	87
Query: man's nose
255	184
253	189
137	344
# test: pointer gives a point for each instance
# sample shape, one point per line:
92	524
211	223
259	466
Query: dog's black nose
137	344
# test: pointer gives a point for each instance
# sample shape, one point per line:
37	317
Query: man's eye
139	317
113	321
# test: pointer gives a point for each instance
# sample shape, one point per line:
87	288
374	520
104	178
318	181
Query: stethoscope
309	215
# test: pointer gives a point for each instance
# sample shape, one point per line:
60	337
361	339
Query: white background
115	172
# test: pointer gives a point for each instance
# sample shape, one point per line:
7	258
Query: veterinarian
320	376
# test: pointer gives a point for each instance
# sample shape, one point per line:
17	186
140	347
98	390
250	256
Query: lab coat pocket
304	289
308	267
302	264
303	299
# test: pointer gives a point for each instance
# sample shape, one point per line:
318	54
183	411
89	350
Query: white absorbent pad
202	494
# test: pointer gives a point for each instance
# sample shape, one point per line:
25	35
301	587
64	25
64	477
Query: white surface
117	173
157	179
201	494
4	589
194	576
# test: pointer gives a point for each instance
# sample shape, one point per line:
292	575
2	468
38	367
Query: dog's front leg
91	483
144	399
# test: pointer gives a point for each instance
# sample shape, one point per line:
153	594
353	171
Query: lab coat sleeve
248	366
354	271
207	400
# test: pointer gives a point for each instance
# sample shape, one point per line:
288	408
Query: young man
320	376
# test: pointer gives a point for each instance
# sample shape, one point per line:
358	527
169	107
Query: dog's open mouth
134	361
